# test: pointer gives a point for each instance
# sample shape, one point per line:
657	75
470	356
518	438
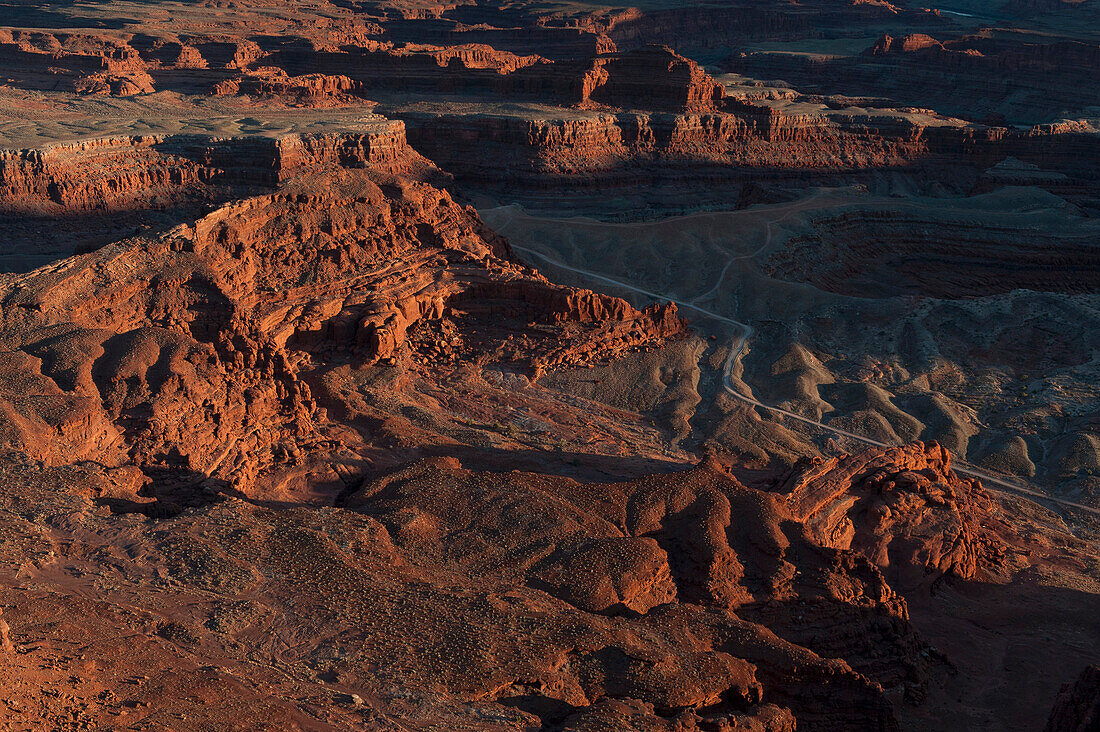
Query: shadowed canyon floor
549	366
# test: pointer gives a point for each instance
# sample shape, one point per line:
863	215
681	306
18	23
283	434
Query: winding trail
746	331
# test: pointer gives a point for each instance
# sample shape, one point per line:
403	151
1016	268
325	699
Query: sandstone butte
283	438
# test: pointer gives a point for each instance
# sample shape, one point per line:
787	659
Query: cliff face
129	172
314	90
653	77
855	253
84	63
748	141
985	76
750	137
472	67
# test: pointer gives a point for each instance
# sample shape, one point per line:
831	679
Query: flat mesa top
30	131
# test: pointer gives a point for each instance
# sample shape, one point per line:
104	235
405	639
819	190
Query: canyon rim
686	365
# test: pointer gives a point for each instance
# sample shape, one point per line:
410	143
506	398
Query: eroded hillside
403	366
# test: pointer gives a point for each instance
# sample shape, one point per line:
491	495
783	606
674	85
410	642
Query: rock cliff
166	350
985	76
115	174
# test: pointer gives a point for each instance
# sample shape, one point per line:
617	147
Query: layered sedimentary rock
77	51
746	136
118	85
86	64
115	174
986	76
339	262
290	439
548	41
315	90
879	503
653	77
853	254
473	67
744	142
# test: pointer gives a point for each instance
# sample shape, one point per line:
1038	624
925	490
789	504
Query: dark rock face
1078	705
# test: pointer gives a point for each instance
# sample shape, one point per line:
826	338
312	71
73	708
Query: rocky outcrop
475	68
613	326
77	52
228	52
189	340
118	85
654	550
902	507
653	77
275	450
97	174
906	44
745	143
980	77
555	42
984	52
1077	708
168	53
83	63
748	136
126	172
314	90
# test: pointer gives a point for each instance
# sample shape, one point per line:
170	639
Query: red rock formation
119	173
749	137
901	507
314	90
744	143
166	53
654	77
271	452
118	85
227	52
86	64
612	326
906	44
77	52
379	65
647	543
97	174
329	262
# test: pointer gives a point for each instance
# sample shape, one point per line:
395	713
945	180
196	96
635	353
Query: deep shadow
32	15
173	491
550	711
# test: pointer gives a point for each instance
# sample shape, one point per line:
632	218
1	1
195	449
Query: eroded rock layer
292	438
174	349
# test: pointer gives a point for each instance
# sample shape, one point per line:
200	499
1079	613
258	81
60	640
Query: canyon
568	367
